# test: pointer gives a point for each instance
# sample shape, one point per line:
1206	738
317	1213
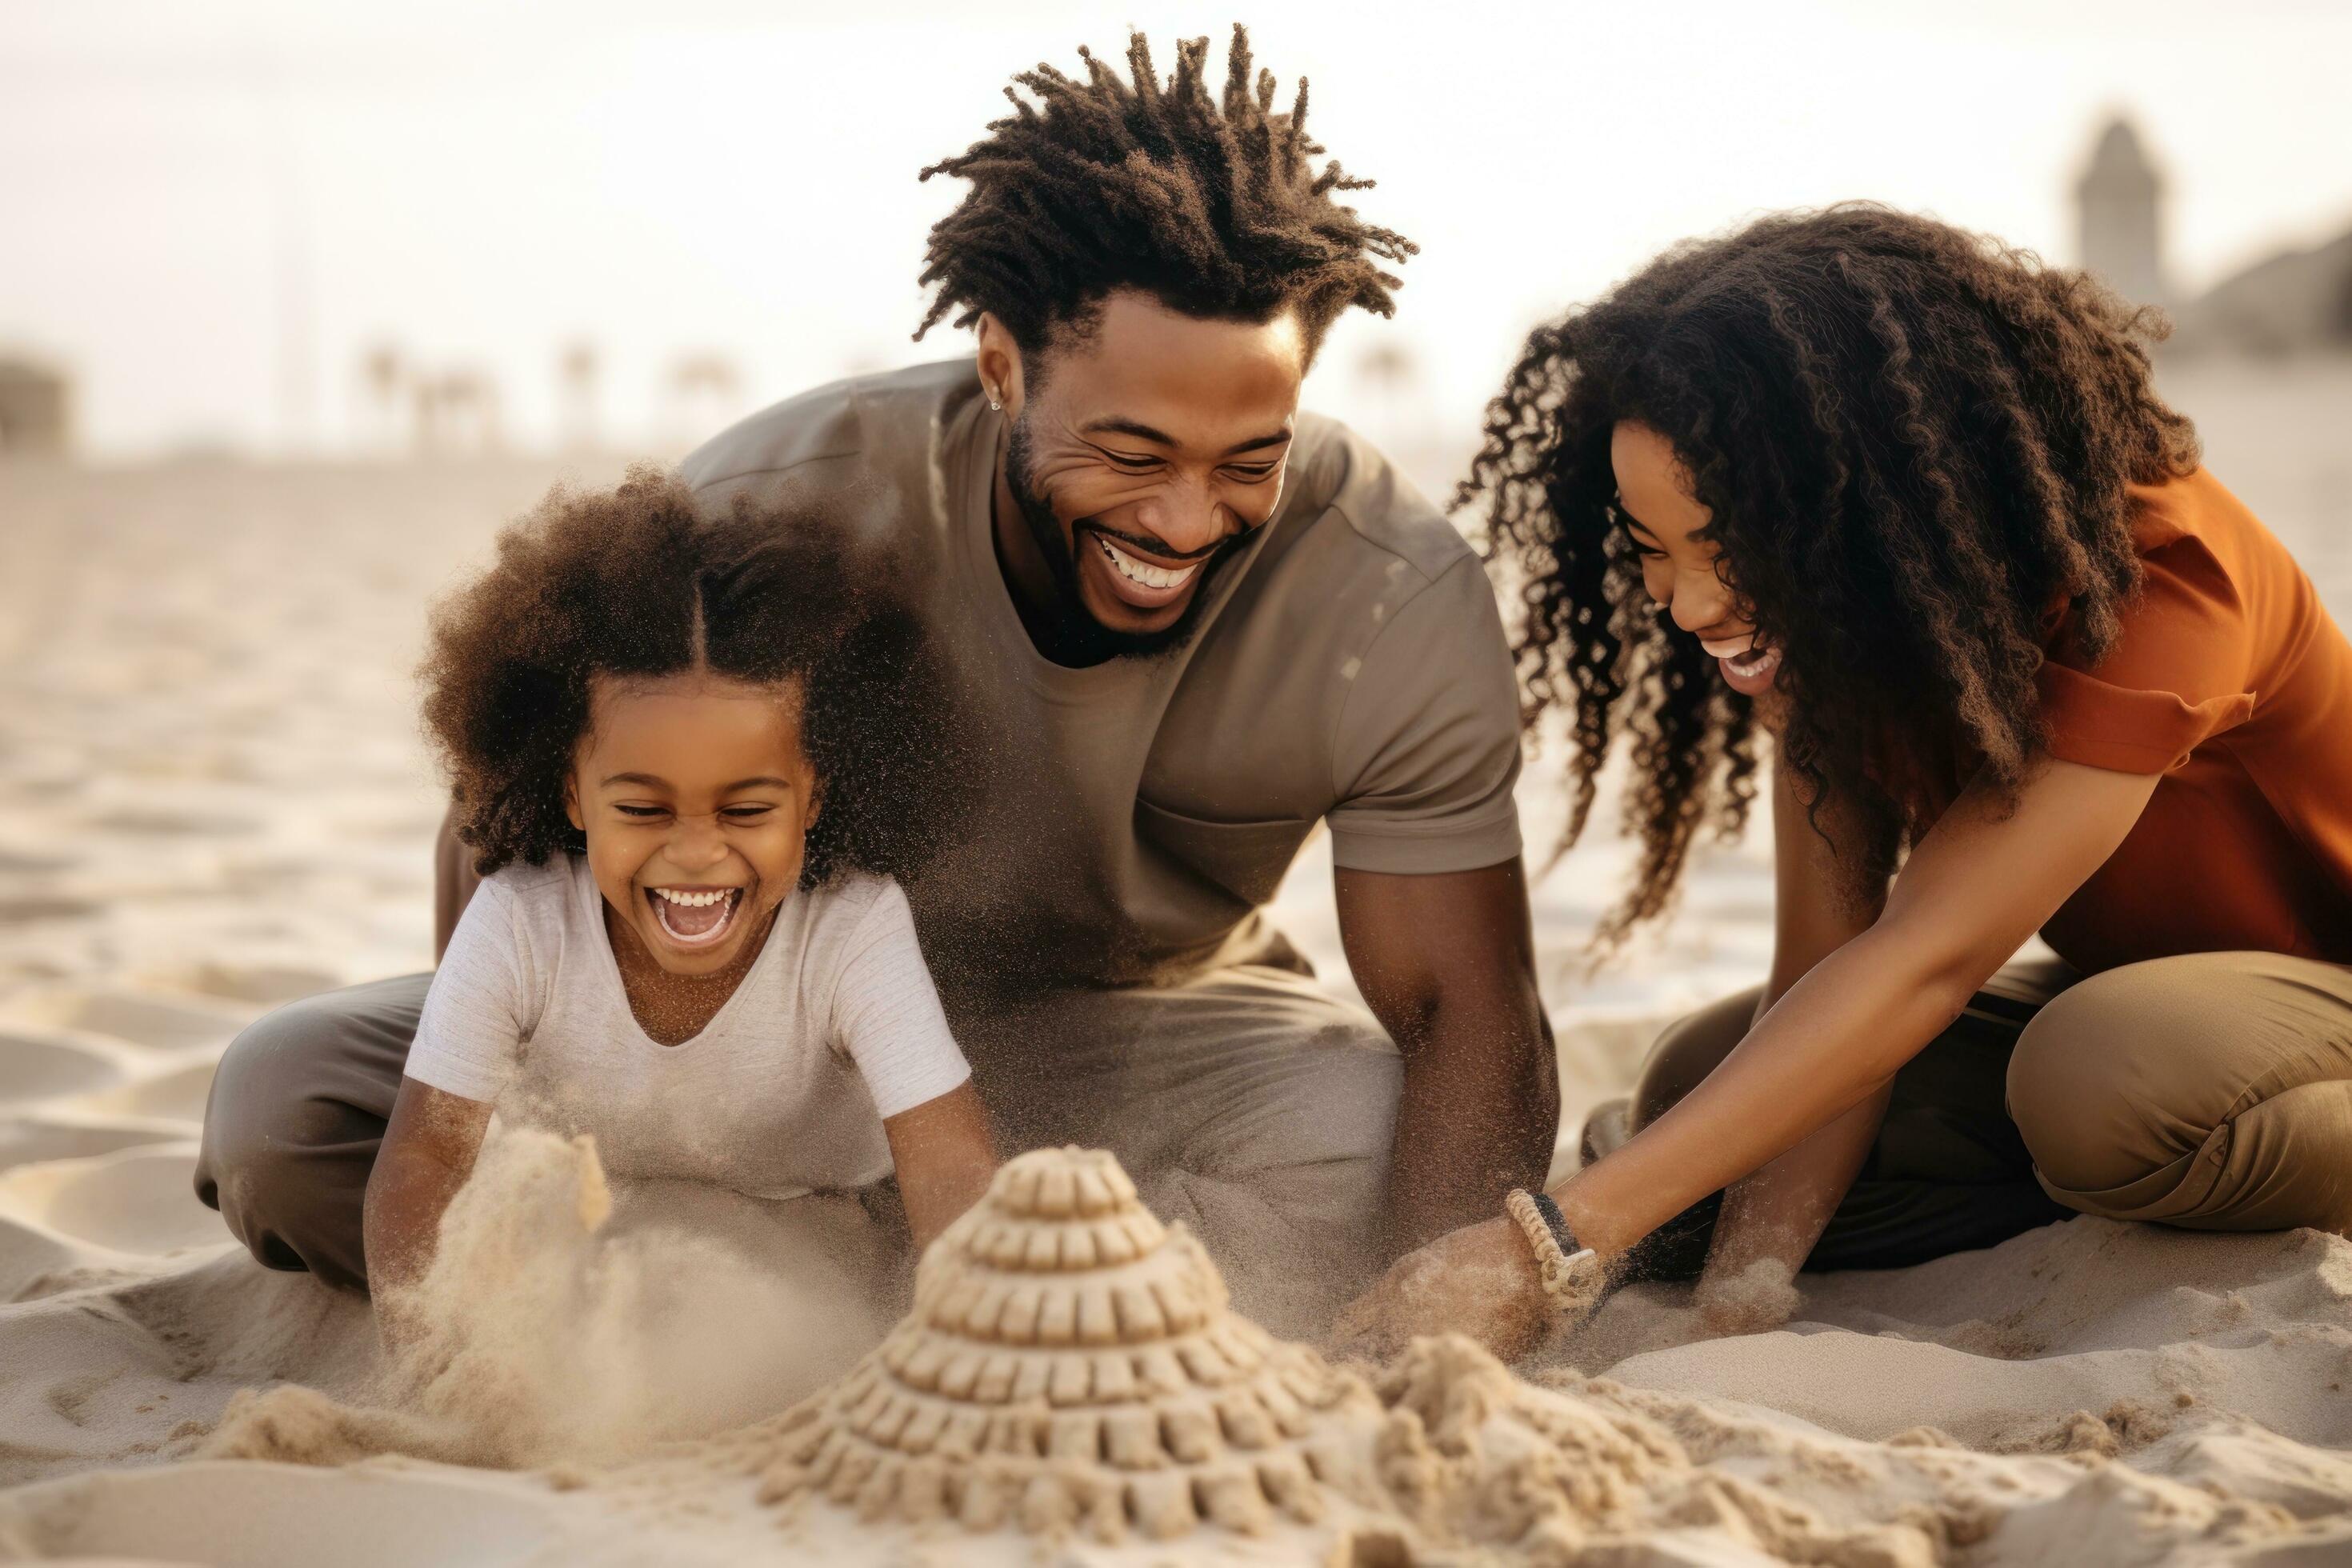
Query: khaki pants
2211	1091
1247	1103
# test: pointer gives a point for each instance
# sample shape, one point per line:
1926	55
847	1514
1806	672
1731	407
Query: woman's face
697	800
1665	522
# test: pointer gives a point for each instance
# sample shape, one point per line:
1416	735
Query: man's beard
1078	637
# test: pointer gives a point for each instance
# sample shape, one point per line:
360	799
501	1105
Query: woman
1908	500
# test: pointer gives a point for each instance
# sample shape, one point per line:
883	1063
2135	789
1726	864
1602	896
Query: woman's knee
2117	1078
1690	1049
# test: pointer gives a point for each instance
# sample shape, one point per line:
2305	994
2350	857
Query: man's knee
293	1120
1343	1105
253	1100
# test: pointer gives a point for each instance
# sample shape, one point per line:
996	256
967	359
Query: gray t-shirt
1349	669
835	1025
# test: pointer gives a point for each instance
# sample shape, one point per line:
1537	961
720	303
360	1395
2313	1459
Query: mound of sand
552	1328
2091	1392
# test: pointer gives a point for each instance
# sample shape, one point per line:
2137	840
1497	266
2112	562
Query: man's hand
1447	962
1480	1280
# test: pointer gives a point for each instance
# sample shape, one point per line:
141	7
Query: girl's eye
642	811
747	813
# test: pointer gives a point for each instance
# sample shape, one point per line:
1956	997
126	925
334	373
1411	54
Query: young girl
1908	498
690	757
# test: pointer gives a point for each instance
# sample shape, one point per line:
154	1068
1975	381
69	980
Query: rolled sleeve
469	1038
1426	757
2177	677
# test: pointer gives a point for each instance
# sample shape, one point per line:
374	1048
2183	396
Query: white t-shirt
835	1025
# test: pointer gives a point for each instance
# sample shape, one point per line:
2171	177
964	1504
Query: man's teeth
695	900
1143	571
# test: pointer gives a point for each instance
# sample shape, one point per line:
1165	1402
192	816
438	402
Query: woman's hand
1755	1298
1479	1281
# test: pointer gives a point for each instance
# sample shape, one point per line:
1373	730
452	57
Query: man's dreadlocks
1213	208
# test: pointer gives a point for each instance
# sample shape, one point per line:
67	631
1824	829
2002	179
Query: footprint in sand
266	985
163	822
77	1134
38	1065
46	909
177	1094
135	1200
164	1023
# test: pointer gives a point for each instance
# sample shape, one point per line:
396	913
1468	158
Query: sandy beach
214	798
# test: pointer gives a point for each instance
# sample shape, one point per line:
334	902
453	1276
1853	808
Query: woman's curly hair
1912	443
638	582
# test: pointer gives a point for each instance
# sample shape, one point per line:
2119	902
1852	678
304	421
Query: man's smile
1142	572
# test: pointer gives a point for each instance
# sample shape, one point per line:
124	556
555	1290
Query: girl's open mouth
695	917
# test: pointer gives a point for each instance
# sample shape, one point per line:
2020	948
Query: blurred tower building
36	409
2119	203
578	373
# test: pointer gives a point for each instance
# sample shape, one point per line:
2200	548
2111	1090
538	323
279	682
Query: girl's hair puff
638	582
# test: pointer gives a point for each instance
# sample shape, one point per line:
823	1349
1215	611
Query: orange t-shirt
2232	681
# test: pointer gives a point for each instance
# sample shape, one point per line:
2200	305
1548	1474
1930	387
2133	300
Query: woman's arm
1774	1214
429	1151
1982	881
945	1156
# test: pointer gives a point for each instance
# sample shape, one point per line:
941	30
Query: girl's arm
945	1156
427	1152
1981	883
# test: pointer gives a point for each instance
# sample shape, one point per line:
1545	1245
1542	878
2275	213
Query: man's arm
454	881
1447	962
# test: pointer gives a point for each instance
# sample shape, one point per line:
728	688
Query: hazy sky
190	189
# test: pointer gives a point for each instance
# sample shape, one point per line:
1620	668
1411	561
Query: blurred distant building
705	394
2297	301
456	412
36	409
2119	203
578	373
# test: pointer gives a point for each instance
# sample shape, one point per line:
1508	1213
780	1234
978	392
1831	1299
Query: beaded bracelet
1571	1273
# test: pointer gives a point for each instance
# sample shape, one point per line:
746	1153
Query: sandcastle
1071	1364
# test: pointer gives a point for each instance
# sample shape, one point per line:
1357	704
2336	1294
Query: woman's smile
1749	664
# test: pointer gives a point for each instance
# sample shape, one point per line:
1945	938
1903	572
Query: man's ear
571	801
999	361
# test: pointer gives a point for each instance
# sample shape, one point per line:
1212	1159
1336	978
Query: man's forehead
1197	380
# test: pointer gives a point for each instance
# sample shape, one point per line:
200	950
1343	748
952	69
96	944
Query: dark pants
295	1116
1245	1101
2211	1090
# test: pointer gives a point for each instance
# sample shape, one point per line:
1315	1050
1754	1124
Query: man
1194	622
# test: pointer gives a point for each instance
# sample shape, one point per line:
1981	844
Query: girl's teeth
694	901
